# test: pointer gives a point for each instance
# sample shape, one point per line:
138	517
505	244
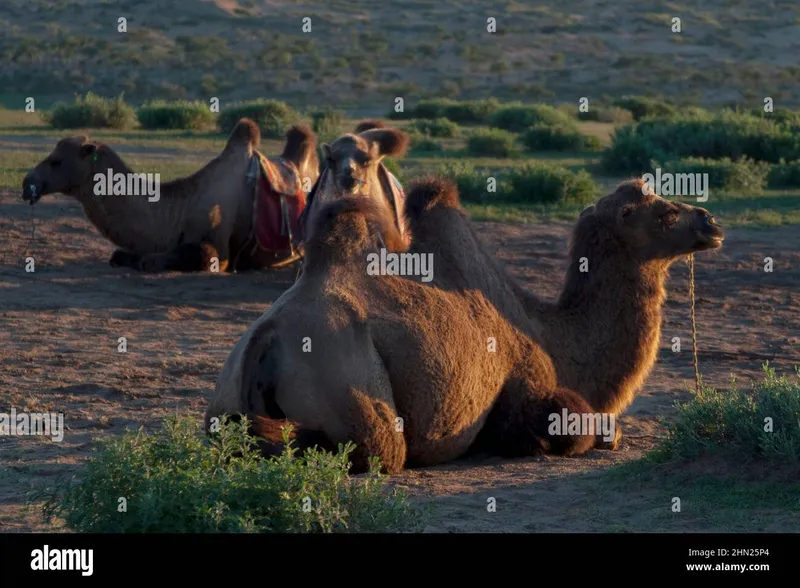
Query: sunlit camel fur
343	356
196	219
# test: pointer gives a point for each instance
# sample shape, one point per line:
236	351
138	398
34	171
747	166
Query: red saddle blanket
279	201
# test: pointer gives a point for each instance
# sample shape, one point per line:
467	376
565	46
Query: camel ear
587	211
326	150
386	142
88	149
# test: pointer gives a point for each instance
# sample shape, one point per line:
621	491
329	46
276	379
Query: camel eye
55	162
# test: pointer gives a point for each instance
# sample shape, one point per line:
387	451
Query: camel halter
690	261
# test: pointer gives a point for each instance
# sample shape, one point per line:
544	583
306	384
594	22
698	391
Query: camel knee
525	422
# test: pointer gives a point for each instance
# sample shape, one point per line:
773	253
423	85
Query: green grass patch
176	481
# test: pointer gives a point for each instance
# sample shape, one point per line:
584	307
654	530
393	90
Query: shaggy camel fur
197	218
407	372
603	332
353	165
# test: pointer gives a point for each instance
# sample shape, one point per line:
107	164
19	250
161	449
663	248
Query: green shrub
559	137
642	107
423	144
716	136
735	421
517	117
434	108
181	114
473	184
92	111
471	112
784	175
539	182
437	127
176	482
744	176
491	143
327	123
272	116
607	114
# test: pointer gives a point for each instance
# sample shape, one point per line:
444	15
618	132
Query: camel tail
431	192
246	132
301	145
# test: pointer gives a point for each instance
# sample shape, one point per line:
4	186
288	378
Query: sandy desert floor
60	325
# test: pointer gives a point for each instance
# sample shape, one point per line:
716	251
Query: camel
409	373
201	222
353	165
603	332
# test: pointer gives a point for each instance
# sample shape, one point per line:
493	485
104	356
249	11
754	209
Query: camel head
353	159
69	165
651	226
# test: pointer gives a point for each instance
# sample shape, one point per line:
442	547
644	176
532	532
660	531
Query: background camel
206	215
353	165
603	332
407	372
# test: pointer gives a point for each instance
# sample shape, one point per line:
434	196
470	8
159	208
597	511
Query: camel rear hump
348	227
245	133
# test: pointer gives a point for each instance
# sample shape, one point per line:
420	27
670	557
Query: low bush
180	114
757	423
539	182
272	116
727	134
559	137
437	127
784	175
517	117
491	143
642	107
92	111
327	123
744	176
175	481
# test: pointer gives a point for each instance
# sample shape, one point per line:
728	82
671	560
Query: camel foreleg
526	421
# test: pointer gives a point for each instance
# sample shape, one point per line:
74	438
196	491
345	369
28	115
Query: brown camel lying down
194	220
406	371
603	332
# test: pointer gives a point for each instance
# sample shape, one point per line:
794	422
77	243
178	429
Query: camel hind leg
526	422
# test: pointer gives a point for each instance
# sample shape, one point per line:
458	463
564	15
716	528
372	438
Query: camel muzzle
31	190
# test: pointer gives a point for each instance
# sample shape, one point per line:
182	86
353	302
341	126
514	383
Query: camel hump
300	143
367	125
430	192
352	224
246	132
